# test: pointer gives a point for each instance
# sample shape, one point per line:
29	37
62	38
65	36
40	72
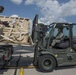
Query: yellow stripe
21	71
30	66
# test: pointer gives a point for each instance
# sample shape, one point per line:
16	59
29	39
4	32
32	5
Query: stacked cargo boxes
15	30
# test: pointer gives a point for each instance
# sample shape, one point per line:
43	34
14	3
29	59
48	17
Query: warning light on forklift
1	9
56	55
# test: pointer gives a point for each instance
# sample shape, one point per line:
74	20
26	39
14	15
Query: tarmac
23	58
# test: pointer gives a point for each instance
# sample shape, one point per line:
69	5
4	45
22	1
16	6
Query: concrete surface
23	56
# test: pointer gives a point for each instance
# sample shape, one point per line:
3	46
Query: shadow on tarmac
59	68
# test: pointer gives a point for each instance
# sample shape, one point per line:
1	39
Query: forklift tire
46	63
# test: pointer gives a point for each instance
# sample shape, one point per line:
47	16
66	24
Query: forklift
62	54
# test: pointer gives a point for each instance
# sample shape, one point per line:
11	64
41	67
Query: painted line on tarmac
28	67
21	71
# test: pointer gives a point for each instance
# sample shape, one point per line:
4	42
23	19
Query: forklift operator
58	38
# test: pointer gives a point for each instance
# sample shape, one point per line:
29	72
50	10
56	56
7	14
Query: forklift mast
38	32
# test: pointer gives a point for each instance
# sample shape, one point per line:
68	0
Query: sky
49	10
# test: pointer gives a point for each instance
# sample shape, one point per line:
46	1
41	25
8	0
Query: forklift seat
63	44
